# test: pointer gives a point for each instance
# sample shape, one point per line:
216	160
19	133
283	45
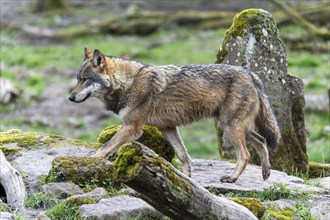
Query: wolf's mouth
82	100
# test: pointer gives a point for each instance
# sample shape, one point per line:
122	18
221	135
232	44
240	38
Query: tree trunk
170	191
12	182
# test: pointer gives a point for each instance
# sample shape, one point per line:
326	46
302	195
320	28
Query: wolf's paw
227	179
265	172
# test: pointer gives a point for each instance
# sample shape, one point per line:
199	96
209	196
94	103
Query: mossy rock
151	138
71	168
286	214
317	170
15	140
253	204
22	139
7	150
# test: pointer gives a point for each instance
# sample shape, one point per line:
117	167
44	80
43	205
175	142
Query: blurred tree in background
47	5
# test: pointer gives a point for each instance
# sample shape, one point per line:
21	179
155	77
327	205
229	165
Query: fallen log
170	191
299	20
12	182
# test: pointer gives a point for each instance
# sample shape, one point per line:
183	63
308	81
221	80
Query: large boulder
253	41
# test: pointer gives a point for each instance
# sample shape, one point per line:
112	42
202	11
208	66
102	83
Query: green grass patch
275	192
318	147
40	200
200	139
63	211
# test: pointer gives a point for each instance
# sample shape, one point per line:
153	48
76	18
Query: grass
189	46
275	192
40	200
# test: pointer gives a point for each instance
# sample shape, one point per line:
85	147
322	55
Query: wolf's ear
88	53
98	58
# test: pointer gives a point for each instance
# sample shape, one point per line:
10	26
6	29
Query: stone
6	216
208	172
62	190
325	182
33	163
91	197
253	41
317	102
8	92
321	211
120	207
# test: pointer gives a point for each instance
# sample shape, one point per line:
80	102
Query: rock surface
321	211
120	207
250	180
253	41
6	216
89	198
34	163
62	190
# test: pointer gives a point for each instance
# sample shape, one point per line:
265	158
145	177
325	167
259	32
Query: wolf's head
93	80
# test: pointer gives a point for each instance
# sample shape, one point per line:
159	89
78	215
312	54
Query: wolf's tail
266	122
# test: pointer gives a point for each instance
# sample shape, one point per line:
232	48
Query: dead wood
12	182
299	20
168	190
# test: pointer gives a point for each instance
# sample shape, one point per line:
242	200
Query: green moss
127	162
151	138
7	150
286	214
23	139
242	20
254	205
78	200
3	207
36	139
98	174
318	170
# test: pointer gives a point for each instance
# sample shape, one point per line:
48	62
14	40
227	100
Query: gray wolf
171	96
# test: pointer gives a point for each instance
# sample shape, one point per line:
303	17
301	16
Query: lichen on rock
151	138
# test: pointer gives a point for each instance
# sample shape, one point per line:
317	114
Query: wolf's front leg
127	133
173	137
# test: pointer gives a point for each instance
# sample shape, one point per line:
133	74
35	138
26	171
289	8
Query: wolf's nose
72	98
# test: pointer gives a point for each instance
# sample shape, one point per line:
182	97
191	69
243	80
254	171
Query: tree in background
48	5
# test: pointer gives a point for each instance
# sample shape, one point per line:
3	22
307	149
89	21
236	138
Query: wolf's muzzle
72	98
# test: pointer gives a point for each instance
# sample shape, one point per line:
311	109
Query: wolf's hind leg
236	135
173	137
259	144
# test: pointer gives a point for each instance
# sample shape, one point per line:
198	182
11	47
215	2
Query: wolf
170	96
